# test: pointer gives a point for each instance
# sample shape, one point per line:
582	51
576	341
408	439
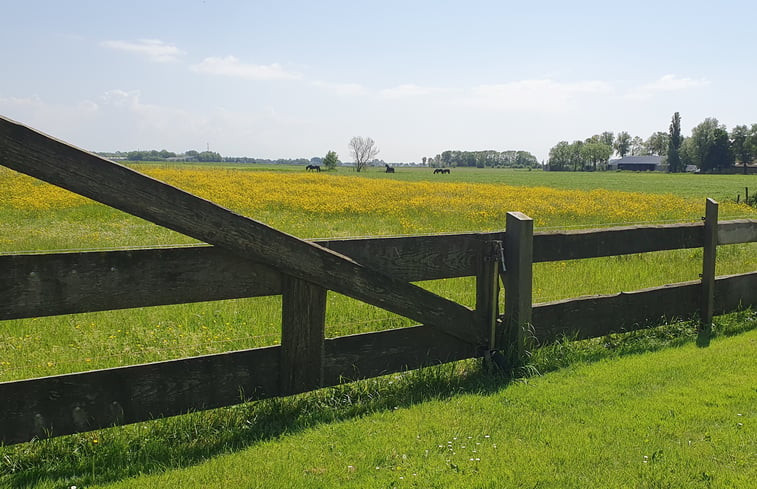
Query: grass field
36	217
615	416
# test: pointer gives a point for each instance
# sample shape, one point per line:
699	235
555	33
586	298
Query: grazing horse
313	168
441	170
389	169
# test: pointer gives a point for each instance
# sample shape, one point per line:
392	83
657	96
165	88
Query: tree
576	158
688	153
424	161
702	137
331	160
675	141
718	153
743	143
607	138
363	150
596	153
637	146
657	144
622	143
559	156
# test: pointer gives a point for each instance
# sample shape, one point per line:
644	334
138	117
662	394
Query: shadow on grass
109	455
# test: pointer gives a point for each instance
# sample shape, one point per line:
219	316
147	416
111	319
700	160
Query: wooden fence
250	259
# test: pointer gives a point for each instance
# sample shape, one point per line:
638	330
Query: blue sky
297	79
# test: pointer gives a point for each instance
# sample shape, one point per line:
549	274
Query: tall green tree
718	153
674	145
559	156
744	144
331	160
702	137
622	143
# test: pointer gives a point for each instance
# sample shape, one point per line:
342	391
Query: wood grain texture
737	231
519	246
64	404
735	292
592	243
66	283
591	317
416	258
372	354
55	162
303	318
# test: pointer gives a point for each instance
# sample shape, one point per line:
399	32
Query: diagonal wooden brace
28	151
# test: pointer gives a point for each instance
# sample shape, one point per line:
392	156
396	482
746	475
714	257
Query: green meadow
613	412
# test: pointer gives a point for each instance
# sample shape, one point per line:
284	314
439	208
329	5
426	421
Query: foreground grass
609	417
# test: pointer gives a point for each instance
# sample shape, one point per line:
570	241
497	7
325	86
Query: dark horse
313	168
441	170
389	169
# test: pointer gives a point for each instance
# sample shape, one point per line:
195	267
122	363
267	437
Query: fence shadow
183	441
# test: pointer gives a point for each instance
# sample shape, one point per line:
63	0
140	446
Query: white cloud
231	66
541	95
155	49
21	102
664	84
149	117
43	115
341	88
410	90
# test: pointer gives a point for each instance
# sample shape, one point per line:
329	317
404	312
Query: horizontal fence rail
39	285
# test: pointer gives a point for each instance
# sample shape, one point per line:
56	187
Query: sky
296	79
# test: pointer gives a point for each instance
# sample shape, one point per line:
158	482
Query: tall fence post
519	252
303	319
708	264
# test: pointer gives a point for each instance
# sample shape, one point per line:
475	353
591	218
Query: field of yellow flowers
330	205
35	216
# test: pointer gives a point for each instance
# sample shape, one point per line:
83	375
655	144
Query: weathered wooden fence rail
244	266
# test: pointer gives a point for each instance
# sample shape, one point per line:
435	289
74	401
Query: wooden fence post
708	264
519	252
303	319
487	291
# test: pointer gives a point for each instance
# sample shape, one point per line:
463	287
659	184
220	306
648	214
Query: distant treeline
484	159
204	156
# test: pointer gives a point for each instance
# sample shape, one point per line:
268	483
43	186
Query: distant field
345	203
719	187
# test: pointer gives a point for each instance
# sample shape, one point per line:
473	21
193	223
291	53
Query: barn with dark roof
637	163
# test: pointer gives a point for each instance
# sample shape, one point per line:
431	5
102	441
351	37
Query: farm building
637	163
